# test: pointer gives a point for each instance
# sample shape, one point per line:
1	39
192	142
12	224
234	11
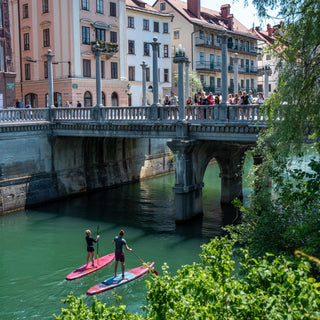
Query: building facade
69	28
143	24
199	30
7	74
267	38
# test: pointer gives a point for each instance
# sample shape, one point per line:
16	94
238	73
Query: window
113	9
162	6
201	57
26	41
45	69
165	51
155	26
27	71
147	74
101	34
212	82
146	49
131	48
176	34
166	75
145	24
99	6
201	35
25	11
85	4
165	27
113	37
86	35
242	84
46	37
103	98
86	68
45	6
103	68
1	56
114	70
219	61
132	74
1	23
219	82
131	22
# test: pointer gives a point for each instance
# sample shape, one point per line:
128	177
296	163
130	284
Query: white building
143	23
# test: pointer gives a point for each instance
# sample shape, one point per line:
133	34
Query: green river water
40	246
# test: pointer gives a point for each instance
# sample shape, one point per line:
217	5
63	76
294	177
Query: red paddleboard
83	271
118	281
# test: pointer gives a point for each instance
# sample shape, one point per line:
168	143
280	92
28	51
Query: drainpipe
20	52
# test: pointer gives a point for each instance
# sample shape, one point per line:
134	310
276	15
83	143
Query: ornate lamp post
154	108
224	68
144	83
97	53
236	72
266	71
50	56
180	58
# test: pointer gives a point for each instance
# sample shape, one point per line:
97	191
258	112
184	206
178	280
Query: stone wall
35	169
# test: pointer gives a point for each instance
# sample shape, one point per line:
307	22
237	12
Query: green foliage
78	310
270	288
194	82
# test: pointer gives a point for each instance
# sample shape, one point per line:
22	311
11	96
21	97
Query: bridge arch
191	160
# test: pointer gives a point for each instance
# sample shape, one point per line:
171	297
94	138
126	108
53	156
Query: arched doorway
31	99
87	98
57	99
114	99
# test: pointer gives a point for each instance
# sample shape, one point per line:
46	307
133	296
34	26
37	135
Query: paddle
98	245
152	270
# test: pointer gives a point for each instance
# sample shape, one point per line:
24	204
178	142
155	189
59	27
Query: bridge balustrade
199	114
22	115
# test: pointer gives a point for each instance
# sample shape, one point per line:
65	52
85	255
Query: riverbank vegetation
278	273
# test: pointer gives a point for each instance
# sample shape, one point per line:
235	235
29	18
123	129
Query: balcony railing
106	47
207	65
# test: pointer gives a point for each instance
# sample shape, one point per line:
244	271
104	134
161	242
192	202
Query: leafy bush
267	288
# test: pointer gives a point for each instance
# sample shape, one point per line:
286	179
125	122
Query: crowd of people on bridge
200	98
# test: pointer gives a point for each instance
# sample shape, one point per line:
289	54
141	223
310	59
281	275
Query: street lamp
180	58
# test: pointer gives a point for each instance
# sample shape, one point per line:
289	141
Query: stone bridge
223	132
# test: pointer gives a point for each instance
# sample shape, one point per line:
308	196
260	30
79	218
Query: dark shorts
90	249
120	256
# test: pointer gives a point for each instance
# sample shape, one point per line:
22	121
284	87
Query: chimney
230	21
270	30
194	7
225	10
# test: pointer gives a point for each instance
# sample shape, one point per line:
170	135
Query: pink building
68	28
7	75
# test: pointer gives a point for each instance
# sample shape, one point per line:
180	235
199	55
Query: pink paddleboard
83	271
118	281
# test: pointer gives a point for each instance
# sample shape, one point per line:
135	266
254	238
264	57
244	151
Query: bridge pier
230	161
187	188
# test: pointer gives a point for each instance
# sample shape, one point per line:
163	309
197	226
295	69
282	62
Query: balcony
207	42
107	48
208	66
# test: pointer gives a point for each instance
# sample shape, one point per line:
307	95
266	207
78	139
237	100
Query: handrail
195	113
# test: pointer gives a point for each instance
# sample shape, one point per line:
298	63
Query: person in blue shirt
119	254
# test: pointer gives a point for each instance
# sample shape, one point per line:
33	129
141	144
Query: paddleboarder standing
119	254
90	248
